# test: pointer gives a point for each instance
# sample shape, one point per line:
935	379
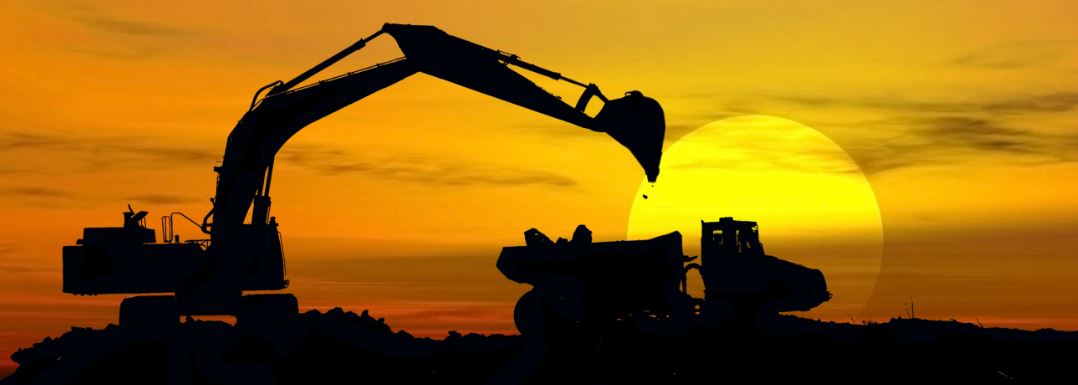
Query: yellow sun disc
813	204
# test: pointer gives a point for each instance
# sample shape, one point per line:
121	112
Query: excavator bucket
637	122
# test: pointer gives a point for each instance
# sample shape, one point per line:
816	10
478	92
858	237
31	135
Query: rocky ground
339	347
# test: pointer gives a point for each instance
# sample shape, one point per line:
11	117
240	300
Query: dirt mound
338	346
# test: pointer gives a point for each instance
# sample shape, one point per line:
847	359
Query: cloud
96	17
59	154
135	147
676	127
1014	55
161	199
444	173
100	153
55	195
9	252
7	248
1017	129
950	139
34	192
334	161
24	140
103	23
103	152
974	133
764	148
10	268
115	36
128	53
805	162
1053	102
1022	104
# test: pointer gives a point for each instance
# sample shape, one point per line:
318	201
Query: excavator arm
245	174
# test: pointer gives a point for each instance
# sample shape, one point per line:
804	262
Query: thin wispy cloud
103	152
910	131
128	53
1017	130
335	161
34	192
103	23
7	248
947	140
976	133
1062	101
1044	103
761	145
98	17
161	199
1015	55
17	140
677	126
25	268
116	36
50	196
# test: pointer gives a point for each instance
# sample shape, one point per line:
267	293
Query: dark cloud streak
926	132
52	195
127	27
34	192
334	161
96	16
1043	103
105	152
937	140
117	36
1014	55
161	199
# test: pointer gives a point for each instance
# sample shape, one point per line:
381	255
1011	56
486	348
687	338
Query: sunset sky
962	116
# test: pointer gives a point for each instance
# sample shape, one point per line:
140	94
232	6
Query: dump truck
590	288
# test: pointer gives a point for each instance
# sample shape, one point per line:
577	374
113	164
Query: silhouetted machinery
208	277
591	287
597	284
740	281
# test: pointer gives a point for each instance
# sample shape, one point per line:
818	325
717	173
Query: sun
813	204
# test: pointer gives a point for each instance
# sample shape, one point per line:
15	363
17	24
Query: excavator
171	279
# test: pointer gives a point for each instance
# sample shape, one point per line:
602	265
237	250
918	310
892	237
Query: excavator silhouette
209	277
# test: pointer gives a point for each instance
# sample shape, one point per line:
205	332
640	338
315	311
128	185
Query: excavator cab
637	122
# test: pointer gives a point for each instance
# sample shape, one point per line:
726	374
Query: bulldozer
170	278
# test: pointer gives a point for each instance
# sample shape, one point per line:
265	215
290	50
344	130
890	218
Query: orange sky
961	115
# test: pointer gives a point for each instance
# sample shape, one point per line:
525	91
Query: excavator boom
635	121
